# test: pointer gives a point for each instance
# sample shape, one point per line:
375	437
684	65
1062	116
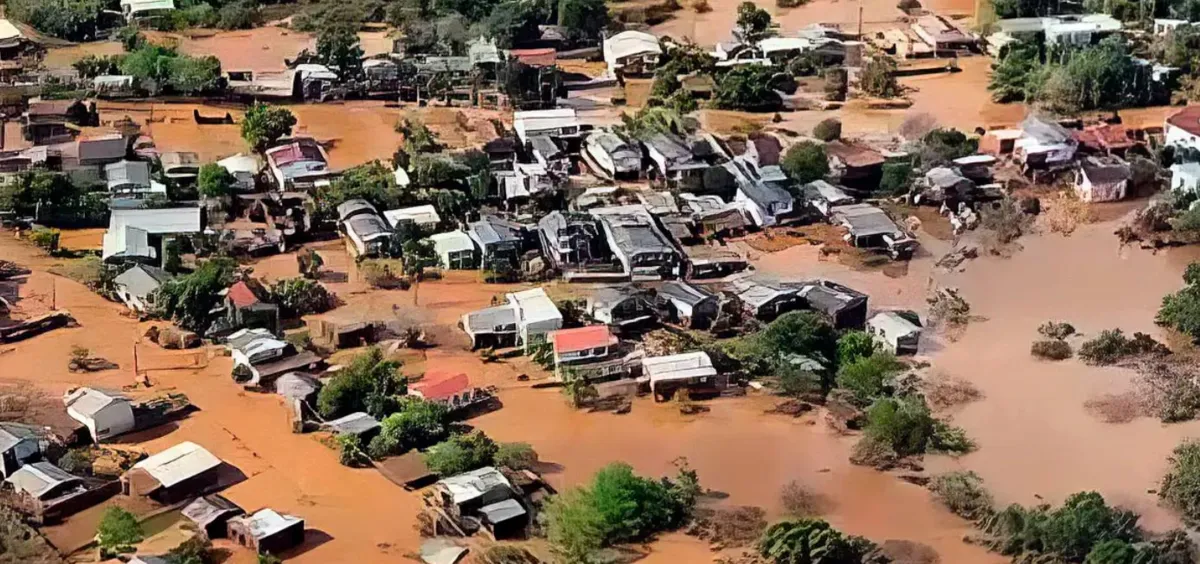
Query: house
636	242
1185	177
136	286
706	261
180	472
693	370
244	168
131	178
298	164
504	519
764	201
425	216
1045	144
266	531
483	51
673	158
259	358
758	151
944	184
632	53
537	315
105	414
144	9
940	33
499	240
895	332
843	307
180	166
612	155
713	217
1000	141
210	513
362	224
1162	26
454	390
694	307
50	121
19	444
977	168
765	300
1182	129
589	353
854	165
456	250
572	240
15	45
143	232
359	424
524	319
1102	179
823	197
494	327
1110	139
465	493
549	154
623	306
1068	30
560	122
246	307
871	228
535	57
49	493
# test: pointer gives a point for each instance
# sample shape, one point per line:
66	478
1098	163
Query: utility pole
860	18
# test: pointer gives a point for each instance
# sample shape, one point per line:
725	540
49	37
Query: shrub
350	450
962	492
416	424
948	439
242	14
1051	349
517	456
118	531
828	130
878	78
811	540
805	162
1181	310
1180	488
1056	330
908	5
903	424
1063	534
461	453
298	297
263	125
800	501
369	383
45	238
868	378
896	178
1112	346
836	84
378	273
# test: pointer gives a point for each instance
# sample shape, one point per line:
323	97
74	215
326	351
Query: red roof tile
582	338
1104	137
441	385
536	57
1187	119
241	295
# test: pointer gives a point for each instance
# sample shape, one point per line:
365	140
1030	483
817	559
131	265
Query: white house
895	332
1182	129
456	250
667	373
557	122
537	315
1185	177
105	414
135	287
632	53
1102	180
424	216
244	169
137	9
131	232
18	444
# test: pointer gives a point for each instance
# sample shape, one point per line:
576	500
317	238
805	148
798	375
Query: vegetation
338	48
812	540
903	426
190	300
805	162
879	78
414	424
73	20
1070	533
1051	349
214	181
159	68
869	377
1181	310
748	88
517	456
297	297
369	383
829	129
896	178
350	450
618	506
461	453
753	23
962	492
941	146
1180	488
53	199
263	125
800	501
1112	346
1056	330
118	531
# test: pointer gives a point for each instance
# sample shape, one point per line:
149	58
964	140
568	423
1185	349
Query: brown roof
855	156
1104	137
1187	119
536	57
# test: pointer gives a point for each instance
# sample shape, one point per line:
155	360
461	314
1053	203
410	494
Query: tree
416	424
574	525
461	453
92	66
118	531
512	22
194	75
1112	552
748	88
896	178
941	146
369	384
372	182
811	540
214	181
1012	74
650	120
1181	310
868	378
753	23
854	345
338	48
805	162
195	550
878	78
297	297
517	456
829	129
189	300
73	20
263	125
240	14
584	19
1180	488
1084	521
419	255
903	424
962	492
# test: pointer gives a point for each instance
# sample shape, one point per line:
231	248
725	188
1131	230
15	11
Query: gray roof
611	142
944	177
127	172
865	220
491	229
830	297
38	478
684	292
89	401
205	510
765	194
104	148
367	226
267	522
502	511
142	280
297	385
474	484
635	233
350	207
353	424
1046	132
11	434
493	319
443	64
819	189
670	146
545	146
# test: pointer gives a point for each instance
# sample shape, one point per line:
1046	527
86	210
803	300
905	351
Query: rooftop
267	522
582	339
205	510
441	385
855	156
353	424
38	478
678	366
178	463
1187	119
474	484
89	401
893	323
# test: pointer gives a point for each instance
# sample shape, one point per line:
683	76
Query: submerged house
210	513
145	9
105	414
590	353
524	319
136	286
823	197
499	240
641	248
266	531
131	178
855	166
1102	179
895	332
842	306
871	228
694	307
613	156
623	306
19	444
484	494
632	53
297	164
675	158
456	250
180	472
454	390
765	300
760	193
364	227
1044	144
572	240
692	371
141	233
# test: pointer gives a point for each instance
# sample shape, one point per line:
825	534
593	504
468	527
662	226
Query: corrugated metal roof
535	305
38	478
178	463
89	401
267	522
582	338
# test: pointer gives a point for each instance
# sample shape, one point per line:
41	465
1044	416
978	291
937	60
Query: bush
461	453
517	456
903	424
118	531
962	492
800	501
811	540
836	84
1056	330
879	79
805	162
1180	488
1181	310
415	424
263	125
908	5
1051	349
350	450
870	377
1064	534
190	300
896	178
242	14
297	297
45	238
828	130
369	384
1112	346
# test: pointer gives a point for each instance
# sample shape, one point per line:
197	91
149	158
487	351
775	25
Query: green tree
1181	310
92	66
868	378
585	19
962	492
878	78
369	383
748	88
829	129
896	178
903	424
214	181
574	526
297	297
1112	552
853	345
416	424
512	22
73	20
338	48
461	453
372	182
1180	487
753	23
651	120
240	14
811	540
941	146
263	125
194	75
118	531
805	162
517	456
419	255
1012	73
190	300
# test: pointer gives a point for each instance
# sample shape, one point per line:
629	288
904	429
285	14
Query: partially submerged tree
214	181
753	23
1181	310
190	300
461	453
416	423
118	531
263	125
811	540
369	383
338	48
805	162
297	297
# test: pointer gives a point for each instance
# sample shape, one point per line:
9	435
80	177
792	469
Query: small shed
1102	179
456	250
842	306
267	531
360	424
105	414
504	519
135	287
210	514
692	306
895	332
473	490
686	370
19	444
423	216
182	471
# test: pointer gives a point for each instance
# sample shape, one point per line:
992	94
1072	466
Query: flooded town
661	281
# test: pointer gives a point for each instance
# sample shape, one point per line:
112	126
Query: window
599	351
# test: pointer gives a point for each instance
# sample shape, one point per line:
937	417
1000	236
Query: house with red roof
452	389
591	352
246	307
